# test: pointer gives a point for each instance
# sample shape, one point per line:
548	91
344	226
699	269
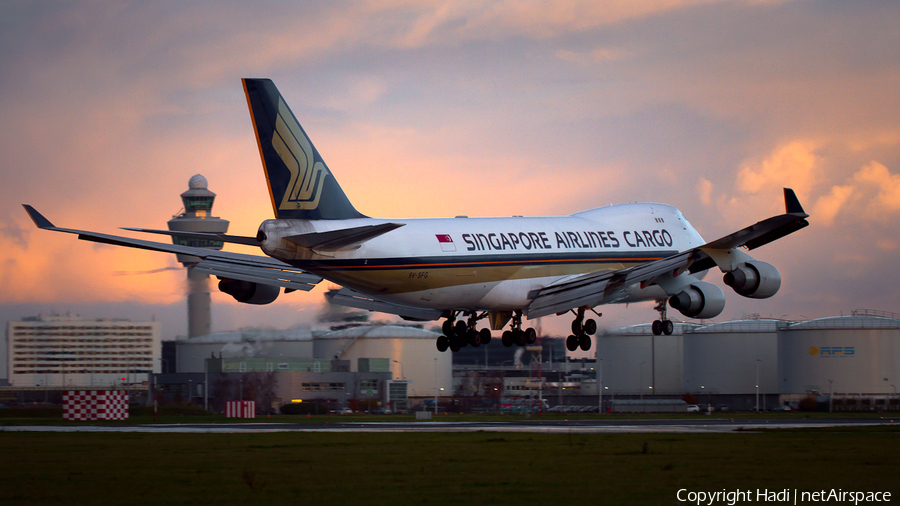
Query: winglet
791	203
38	218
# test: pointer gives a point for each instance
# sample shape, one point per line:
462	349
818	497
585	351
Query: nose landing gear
663	325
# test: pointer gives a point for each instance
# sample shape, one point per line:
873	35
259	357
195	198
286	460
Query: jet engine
754	279
700	300
249	292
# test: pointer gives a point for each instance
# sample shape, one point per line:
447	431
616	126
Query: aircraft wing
350	298
209	236
253	268
605	287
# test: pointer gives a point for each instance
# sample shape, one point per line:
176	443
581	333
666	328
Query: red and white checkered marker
95	405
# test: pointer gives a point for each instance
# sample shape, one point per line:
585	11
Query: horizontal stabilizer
349	298
343	238
234	239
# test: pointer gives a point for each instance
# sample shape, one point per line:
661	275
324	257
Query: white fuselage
487	263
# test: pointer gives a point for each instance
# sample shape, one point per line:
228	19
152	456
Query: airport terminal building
66	351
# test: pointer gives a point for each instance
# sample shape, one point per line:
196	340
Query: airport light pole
435	388
600	383
757	384
830	394
641	386
206	385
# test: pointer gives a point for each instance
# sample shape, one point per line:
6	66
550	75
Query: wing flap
295	279
349	298
604	287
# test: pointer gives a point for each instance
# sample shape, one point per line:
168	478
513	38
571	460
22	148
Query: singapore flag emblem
446	243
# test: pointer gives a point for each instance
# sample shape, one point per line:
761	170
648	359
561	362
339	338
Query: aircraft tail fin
300	184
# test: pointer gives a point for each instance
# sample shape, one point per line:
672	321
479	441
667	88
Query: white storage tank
725	358
857	354
634	360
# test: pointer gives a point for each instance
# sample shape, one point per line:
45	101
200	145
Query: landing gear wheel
584	343
443	342
572	343
530	336
447	327
485	335
473	338
519	337
507	338
590	327
577	327
460	328
663	325
668	327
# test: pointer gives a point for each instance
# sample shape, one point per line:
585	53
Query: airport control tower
197	217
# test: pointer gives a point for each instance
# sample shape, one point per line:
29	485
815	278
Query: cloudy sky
435	109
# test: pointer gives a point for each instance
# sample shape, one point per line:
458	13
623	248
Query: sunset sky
436	109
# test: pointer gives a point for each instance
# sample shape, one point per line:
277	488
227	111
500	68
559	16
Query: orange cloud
887	185
792	165
828	206
704	190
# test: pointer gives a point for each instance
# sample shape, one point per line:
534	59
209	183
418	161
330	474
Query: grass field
435	468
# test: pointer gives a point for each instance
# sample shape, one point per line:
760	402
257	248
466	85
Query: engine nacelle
754	279
249	292
700	300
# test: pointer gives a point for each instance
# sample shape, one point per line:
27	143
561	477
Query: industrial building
343	366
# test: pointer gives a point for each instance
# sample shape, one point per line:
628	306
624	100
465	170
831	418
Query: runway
715	425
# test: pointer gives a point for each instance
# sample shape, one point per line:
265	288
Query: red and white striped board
240	409
95	405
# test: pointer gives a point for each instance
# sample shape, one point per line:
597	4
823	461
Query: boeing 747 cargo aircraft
468	269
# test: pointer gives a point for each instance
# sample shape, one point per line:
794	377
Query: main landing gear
663	325
516	335
461	333
581	331
458	333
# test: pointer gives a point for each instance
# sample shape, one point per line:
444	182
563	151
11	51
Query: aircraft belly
500	287
420	278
